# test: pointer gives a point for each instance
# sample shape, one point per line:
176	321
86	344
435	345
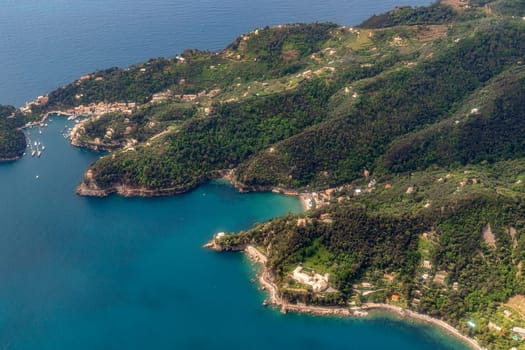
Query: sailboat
38	152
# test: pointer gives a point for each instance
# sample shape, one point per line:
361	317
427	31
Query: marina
36	147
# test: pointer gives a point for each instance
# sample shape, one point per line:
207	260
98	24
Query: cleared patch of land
517	303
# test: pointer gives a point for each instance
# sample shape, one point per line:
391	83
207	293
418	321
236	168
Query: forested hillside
309	106
449	244
405	133
12	140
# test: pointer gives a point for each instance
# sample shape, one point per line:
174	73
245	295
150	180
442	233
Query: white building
318	282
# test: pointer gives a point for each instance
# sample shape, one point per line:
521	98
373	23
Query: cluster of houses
101	108
89	77
164	95
325	218
40	100
321	198
85	110
518	332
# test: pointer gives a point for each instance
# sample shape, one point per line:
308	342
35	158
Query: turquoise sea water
116	273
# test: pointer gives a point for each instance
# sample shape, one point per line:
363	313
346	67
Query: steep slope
489	128
201	148
397	103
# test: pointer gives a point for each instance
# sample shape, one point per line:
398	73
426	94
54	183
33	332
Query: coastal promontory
403	135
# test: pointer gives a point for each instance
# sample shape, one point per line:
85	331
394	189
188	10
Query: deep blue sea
45	44
116	273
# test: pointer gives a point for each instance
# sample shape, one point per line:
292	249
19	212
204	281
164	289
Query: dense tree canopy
12	140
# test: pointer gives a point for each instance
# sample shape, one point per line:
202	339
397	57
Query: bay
114	273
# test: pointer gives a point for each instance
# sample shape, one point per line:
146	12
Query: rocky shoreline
12	159
266	280
91	190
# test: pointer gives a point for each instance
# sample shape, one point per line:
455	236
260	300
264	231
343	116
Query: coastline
8	160
88	187
90	190
242	188
265	279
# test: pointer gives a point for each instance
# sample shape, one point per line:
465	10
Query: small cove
130	273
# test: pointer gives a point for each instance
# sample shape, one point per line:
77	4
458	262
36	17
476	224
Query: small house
427	264
519	330
389	277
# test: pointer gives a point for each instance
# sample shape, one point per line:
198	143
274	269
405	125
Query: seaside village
320	199
94	109
97	109
101	108
90	110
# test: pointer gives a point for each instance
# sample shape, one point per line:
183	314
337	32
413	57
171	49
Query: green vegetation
201	147
490	131
115	130
271	53
434	14
429	100
509	7
12	140
451	242
397	103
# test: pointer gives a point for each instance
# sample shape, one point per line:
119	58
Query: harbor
35	146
